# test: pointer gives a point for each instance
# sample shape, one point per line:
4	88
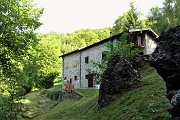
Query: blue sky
63	16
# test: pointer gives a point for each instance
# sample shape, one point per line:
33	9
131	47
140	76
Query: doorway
90	80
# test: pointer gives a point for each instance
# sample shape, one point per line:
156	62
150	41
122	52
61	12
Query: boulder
119	76
166	60
174	108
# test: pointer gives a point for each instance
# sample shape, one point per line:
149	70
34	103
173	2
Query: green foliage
118	48
130	18
153	18
18	20
8	107
81	38
165	17
53	95
177	13
47	81
37	103
100	68
121	48
45	55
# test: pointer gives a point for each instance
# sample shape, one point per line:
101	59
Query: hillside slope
147	102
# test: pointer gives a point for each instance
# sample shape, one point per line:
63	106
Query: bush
47	81
53	95
43	92
26	89
9	109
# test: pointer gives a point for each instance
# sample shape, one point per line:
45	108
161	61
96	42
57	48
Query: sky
65	16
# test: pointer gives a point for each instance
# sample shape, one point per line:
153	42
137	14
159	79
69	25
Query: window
139	41
70	80
66	65
74	63
87	59
86	76
75	77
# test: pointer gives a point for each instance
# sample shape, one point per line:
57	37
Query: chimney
131	27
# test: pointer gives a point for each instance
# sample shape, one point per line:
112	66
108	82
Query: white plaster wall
150	45
72	71
95	54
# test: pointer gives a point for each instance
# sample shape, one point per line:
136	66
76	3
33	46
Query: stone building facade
76	65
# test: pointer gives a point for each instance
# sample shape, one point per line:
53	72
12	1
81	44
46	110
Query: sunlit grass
25	101
34	89
58	81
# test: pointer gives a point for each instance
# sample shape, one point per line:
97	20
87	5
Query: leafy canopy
167	16
18	20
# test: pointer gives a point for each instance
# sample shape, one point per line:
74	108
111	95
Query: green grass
147	102
37	104
57	81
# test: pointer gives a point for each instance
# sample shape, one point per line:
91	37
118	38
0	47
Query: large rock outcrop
119	76
166	60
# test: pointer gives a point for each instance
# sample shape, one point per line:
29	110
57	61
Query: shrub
9	109
43	92
53	95
47	81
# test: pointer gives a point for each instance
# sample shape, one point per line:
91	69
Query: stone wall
150	44
72	70
94	54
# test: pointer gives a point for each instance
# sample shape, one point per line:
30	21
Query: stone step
59	95
74	95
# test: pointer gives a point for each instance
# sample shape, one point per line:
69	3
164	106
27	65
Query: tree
18	20
47	54
167	16
119	48
177	12
81	38
130	18
154	18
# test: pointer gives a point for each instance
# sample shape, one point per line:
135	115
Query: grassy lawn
147	102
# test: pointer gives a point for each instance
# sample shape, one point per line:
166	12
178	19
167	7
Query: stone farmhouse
75	64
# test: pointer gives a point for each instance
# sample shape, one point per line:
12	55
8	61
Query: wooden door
90	80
